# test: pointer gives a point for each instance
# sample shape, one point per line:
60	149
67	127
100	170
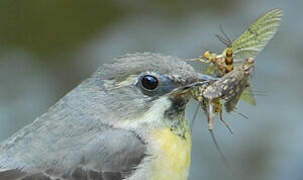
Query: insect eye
149	82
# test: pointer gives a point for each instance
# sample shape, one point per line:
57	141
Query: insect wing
255	38
248	96
211	68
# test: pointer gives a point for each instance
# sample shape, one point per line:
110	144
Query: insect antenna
224	39
225	34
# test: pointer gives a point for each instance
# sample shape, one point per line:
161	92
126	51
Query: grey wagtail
127	121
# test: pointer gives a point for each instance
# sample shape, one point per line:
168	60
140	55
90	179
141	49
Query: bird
126	121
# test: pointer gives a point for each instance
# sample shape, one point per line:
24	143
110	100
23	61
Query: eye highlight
149	82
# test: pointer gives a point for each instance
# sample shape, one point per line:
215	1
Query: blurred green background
47	47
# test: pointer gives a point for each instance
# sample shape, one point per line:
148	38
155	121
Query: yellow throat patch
172	159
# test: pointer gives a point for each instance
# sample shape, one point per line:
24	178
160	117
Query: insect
233	68
223	91
248	45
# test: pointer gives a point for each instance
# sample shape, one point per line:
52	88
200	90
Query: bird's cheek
180	100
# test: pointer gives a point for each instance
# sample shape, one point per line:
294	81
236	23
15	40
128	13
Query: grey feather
76	139
113	152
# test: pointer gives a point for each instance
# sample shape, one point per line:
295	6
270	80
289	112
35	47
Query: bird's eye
149	82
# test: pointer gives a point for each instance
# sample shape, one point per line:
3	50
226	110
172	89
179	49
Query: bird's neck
173	152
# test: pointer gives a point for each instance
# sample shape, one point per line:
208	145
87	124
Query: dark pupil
149	82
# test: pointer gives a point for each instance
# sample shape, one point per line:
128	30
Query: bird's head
144	88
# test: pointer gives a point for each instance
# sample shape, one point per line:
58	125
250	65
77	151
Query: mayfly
223	91
232	68
248	45
229	67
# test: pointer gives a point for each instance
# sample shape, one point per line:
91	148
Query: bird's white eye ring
149	82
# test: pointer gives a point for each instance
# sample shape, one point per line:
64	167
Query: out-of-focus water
47	48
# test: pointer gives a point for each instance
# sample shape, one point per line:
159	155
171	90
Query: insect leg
225	123
195	117
204	61
241	114
210	115
218	148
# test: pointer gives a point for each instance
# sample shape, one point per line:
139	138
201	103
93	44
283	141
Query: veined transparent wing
248	96
211	68
255	38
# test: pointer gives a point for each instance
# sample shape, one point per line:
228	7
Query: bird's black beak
200	80
181	95
204	77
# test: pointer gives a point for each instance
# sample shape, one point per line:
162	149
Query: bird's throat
173	157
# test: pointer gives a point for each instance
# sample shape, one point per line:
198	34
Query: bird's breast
172	157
